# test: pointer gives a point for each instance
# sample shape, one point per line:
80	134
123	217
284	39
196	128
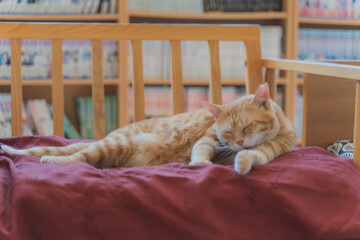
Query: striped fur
250	131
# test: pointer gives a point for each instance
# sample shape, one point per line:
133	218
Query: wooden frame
328	113
250	34
342	73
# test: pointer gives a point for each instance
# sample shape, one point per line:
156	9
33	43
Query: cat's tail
51	151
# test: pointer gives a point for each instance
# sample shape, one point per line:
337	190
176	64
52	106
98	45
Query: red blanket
304	194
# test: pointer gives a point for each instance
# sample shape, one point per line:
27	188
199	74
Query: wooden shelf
209	15
335	22
61	18
146	14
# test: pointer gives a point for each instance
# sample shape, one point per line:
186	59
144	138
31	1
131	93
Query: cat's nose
240	142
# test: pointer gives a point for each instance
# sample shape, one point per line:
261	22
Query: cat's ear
261	97
214	109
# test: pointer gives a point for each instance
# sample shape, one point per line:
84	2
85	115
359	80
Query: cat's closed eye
227	134
246	127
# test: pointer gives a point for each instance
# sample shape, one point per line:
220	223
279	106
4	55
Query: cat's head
247	122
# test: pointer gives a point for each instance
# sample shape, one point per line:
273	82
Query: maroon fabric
305	194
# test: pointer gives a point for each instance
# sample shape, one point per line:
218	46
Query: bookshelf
288	18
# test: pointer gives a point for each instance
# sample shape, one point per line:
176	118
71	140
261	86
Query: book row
58	6
195	6
319	44
205	5
242	5
332	9
37	114
77	63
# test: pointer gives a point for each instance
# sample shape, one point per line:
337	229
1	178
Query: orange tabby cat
249	131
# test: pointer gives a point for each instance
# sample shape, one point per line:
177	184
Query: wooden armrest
321	68
326	69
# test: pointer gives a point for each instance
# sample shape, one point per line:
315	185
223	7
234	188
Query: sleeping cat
249	131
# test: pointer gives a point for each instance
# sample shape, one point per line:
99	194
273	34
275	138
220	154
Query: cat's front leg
245	159
203	151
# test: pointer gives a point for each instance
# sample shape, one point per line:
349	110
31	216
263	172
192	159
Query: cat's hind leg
103	153
50	151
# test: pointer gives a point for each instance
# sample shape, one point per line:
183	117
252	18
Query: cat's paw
199	162
243	162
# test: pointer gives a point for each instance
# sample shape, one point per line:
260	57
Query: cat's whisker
226	153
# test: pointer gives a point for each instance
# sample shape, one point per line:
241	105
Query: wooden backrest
328	113
136	34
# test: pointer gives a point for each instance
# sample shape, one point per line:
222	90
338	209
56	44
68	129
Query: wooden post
98	90
177	78
291	28
57	88
271	80
138	81
215	83
123	52
253	63
16	88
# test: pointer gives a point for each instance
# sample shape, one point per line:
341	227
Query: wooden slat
177	78
215	83
98	90
123	86
321	68
138	81
16	88
291	29
253	62
57	88
290	95
271	80
304	114
129	32
357	126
